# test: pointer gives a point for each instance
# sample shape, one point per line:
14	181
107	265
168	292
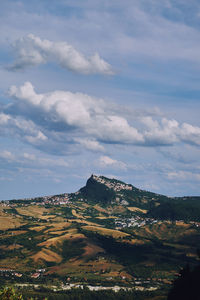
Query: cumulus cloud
62	118
169	132
163	132
191	134
77	113
32	51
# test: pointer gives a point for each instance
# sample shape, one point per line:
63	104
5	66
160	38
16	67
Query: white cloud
63	117
33	51
18	127
106	161
4	119
115	129
163	132
92	145
169	132
79	112
190	134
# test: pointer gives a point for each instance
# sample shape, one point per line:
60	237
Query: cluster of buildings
116	186
11	273
56	200
135	221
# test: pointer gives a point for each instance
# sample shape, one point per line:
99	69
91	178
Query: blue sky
103	87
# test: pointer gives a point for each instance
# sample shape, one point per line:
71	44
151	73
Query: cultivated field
105	231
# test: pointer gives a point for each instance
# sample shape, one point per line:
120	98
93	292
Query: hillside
105	191
108	232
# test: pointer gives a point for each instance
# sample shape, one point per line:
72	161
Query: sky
99	87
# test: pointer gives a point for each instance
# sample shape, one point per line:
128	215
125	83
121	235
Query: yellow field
180	223
10	247
91	250
55	241
58	219
59	232
100	209
82	268
13	233
75	214
85	222
105	231
47	255
144	211
164	231
35	211
47	217
10	222
137	242
104	218
79	216
117	209
2	213
38	228
58	226
31	210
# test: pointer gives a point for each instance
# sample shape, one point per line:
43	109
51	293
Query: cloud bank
32	51
62	118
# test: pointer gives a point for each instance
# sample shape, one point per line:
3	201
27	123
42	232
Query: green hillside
107	233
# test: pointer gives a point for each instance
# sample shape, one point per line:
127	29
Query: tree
187	285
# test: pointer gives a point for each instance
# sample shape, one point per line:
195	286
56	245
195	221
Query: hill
107	233
105	191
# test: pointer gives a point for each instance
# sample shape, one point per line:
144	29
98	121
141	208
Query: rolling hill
108	232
